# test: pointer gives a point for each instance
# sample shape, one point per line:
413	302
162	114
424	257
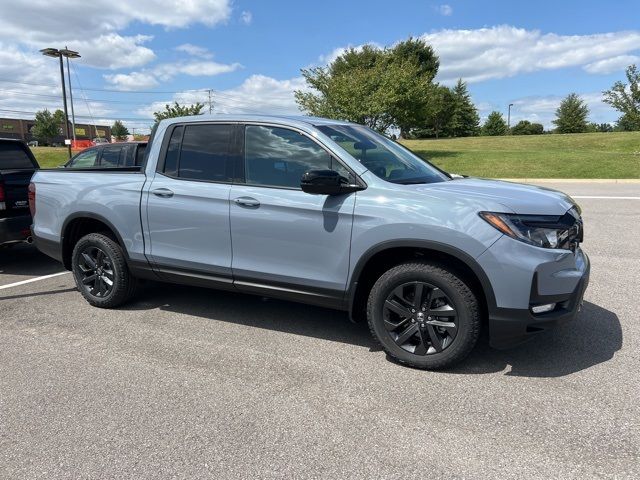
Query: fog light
547	307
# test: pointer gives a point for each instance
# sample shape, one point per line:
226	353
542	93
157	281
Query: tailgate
14	184
16	168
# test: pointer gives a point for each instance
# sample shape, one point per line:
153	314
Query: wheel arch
383	256
80	224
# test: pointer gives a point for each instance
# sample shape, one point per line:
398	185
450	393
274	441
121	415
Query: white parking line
605	198
23	282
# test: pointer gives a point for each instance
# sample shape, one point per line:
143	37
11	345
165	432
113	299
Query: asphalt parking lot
191	383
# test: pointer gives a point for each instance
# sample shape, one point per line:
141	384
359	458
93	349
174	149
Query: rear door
188	203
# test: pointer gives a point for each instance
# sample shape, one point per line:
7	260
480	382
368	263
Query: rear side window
110	156
140	154
12	155
205	153
173	152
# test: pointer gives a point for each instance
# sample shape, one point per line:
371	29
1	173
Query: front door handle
162	192
247	202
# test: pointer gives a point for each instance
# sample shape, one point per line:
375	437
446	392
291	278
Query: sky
138	56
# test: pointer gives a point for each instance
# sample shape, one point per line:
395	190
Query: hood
514	197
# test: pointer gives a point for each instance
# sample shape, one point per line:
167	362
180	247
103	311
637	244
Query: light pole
54	52
71	54
509	117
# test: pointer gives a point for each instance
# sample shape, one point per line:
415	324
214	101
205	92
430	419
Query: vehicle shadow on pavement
592	338
25	260
254	311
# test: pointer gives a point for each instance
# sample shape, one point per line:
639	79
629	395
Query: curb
572	180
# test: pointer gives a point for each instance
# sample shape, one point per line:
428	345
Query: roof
285	119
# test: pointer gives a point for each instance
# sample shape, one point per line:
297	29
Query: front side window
279	157
385	158
85	159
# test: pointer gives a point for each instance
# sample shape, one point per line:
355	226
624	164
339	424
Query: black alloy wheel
96	268
420	318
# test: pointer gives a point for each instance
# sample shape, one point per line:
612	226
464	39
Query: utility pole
210	92
73	115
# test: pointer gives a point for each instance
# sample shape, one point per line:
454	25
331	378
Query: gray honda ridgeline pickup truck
327	213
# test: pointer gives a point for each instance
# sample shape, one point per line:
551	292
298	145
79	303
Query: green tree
627	123
525	127
438	113
626	99
605	127
119	131
495	125
177	110
380	88
47	126
571	115
464	118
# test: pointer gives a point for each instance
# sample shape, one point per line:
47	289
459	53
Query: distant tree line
393	88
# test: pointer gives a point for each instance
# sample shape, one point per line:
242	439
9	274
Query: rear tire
424	315
100	271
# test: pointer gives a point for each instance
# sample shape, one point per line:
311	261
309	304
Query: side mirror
326	182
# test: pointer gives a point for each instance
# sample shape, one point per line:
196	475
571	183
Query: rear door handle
247	202
162	192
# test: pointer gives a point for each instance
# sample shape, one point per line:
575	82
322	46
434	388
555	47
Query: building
21	128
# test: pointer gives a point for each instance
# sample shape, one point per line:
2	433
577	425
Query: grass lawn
50	157
583	155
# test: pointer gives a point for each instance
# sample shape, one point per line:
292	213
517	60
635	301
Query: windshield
383	157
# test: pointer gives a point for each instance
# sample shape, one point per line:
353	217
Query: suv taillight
2	204
32	199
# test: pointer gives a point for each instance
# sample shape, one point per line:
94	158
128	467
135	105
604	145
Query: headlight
539	230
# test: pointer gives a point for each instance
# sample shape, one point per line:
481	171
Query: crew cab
17	165
328	213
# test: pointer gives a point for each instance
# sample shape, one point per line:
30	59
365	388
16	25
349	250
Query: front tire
100	271
424	315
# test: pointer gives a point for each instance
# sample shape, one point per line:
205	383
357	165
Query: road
192	383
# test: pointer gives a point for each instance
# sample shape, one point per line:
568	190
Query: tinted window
205	153
110	156
12	155
85	159
140	154
173	152
279	157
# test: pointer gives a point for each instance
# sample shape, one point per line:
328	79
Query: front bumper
14	229
509	327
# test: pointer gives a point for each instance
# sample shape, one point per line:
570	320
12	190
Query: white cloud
505	51
42	21
38	24
113	51
257	94
167	71
611	65
194	50
336	52
445	10
246	17
132	81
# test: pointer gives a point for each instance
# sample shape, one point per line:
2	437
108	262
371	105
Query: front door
287	242
188	205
